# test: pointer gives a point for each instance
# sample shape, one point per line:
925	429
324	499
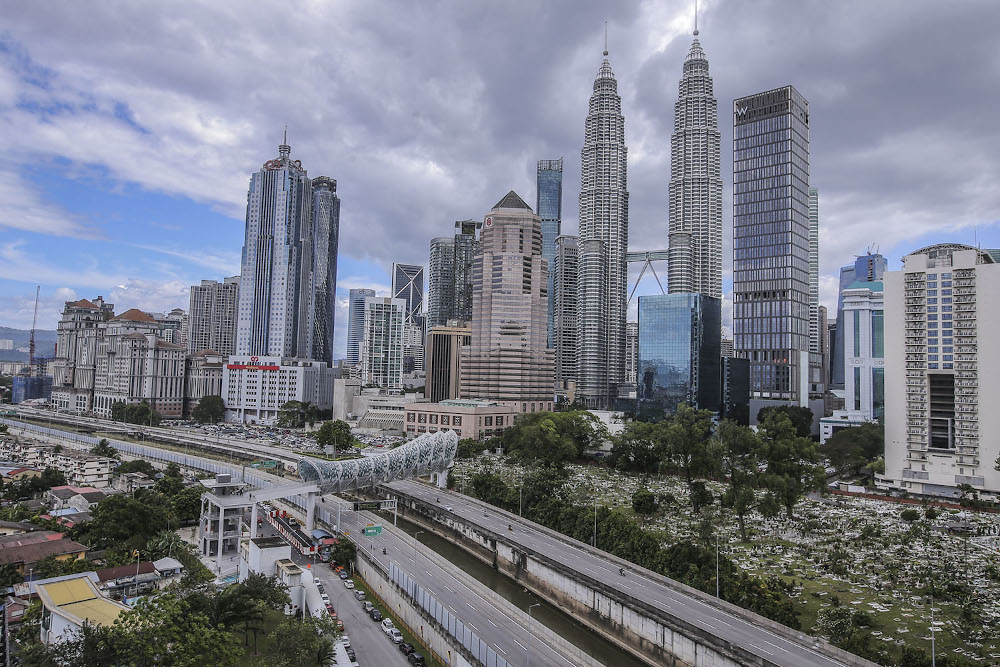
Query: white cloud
23	208
150	295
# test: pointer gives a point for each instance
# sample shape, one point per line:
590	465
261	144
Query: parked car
406	648
350	653
416	659
346	641
394	635
348	584
367	606
387	624
359	595
343	575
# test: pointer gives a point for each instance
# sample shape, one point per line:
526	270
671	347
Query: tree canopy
851	449
135	413
801	417
210	410
552	438
336	434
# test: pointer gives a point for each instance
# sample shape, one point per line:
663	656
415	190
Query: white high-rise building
814	342
566	309
603	244
942	373
695	231
212	316
382	345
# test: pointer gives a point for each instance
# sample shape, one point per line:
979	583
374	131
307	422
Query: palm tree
325	653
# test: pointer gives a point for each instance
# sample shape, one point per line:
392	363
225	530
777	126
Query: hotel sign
253	366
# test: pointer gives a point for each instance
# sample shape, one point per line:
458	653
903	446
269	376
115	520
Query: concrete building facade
356	323
382	345
254	388
444	360
76	354
212	312
473	419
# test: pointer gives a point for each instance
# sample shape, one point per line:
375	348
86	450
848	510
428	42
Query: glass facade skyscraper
771	242
356	323
565	284
466	248
323	278
866	268
441	282
549	209
680	359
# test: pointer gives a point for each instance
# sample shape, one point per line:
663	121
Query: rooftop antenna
285	139
605	38
695	18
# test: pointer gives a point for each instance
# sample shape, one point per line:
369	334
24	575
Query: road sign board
264	464
373	530
367	505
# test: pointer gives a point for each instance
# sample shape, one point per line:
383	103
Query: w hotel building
771	243
941	393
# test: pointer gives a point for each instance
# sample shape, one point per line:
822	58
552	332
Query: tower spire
284	150
605	38
695	18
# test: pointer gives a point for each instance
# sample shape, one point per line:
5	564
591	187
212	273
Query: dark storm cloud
429	112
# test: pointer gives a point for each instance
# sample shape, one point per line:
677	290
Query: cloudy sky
131	128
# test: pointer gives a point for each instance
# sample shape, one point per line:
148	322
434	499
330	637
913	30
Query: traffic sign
367	505
373	530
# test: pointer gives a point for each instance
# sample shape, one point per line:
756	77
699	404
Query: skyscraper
508	359
549	208
814	331
441	281
866	268
565	284
408	285
356	323
382	347
323	275
212	312
443	364
466	247
271	312
695	183
603	243
771	242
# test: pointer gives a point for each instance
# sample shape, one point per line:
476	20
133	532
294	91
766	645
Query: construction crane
31	340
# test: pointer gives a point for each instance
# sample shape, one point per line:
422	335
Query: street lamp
537	604
933	630
415	547
717	563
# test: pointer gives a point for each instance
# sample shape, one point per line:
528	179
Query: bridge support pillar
311	511
253	521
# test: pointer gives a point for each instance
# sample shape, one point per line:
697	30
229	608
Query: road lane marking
473	627
759	648
450	589
520	644
470	606
492	623
500	649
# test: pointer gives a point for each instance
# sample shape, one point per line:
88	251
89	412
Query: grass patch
408	636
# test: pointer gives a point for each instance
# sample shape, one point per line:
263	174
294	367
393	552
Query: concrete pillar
253	521
310	511
218	551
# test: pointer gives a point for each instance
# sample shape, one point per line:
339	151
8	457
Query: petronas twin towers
695	230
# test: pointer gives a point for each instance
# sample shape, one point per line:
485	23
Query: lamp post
595	519
716	563
530	635
933	629
415	546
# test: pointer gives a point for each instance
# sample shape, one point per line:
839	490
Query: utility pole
530	635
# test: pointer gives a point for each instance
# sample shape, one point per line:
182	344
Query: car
406	648
395	635
320	588
325	598
387	624
416	659
348	584
340	625
346	641
343	574
359	595
367	606
376	615
329	608
350	653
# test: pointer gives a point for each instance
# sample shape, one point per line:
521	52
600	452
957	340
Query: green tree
173	470
489	487
264	589
9	575
104	448
701	497
685	441
129	522
343	552
801	417
169	486
850	449
135	413
210	410
336	434
552	438
135	465
909	515
740	450
300	643
187	504
790	459
292	414
643	502
639	448
468	448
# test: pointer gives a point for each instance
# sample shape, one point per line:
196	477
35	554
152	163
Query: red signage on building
252	367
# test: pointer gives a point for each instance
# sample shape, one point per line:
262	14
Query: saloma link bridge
655	618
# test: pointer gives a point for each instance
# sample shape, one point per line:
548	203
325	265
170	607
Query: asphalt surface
507	636
734	629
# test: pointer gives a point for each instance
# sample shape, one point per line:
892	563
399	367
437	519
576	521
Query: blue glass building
680	339
549	209
867	268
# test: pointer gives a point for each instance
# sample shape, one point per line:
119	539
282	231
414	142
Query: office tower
414	333
322	306
444	365
941	371
356	323
631	352
272	317
603	243
508	359
726	348
75	366
408	285
212	313
466	247
814	331
866	268
819	362
679	352
864	386
382	346
831	341
734	401
441	281
565	313
771	242
549	208
695	232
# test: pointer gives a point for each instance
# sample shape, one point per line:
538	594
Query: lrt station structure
229	508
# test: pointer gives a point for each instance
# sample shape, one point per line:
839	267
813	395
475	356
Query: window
434	419
445	419
411	417
422	418
857	334
878	334
457	421
857	387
